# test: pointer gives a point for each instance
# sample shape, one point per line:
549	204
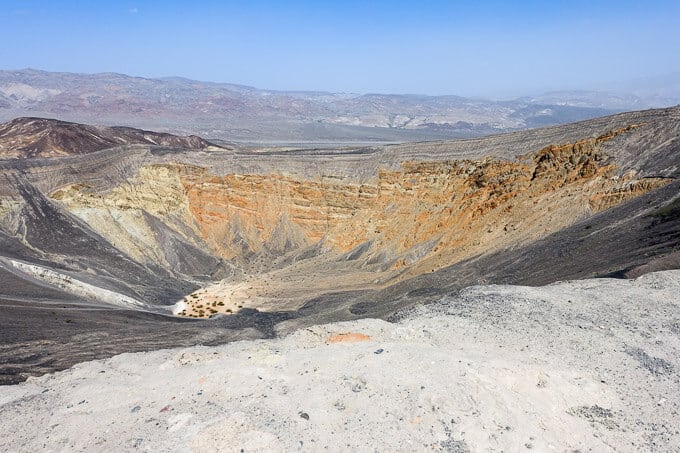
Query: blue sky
474	48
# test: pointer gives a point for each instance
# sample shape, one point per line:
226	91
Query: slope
280	239
44	137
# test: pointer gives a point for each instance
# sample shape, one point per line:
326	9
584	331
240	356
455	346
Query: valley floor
589	365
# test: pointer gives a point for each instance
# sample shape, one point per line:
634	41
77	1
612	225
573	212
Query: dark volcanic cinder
45	137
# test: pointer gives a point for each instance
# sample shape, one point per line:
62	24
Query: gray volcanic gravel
588	365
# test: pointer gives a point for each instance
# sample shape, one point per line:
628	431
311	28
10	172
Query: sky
470	48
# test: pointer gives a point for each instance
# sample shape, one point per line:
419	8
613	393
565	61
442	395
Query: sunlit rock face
401	223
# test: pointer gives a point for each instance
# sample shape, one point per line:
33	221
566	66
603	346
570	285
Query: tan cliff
123	214
402	223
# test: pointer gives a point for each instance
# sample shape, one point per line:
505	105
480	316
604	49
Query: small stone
135	409
379	351
304	415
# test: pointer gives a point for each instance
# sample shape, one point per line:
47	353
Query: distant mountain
237	112
661	90
41	137
590	99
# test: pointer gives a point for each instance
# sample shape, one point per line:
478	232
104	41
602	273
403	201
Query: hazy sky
483	48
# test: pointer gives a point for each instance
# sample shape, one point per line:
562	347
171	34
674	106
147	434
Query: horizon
266	89
483	50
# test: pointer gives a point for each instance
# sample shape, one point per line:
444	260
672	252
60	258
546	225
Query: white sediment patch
79	288
179	307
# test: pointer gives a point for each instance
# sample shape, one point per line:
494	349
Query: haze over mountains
241	113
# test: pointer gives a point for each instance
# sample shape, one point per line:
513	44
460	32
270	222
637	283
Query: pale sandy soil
288	288
589	365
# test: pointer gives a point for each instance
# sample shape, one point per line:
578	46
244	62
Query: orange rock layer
405	222
452	209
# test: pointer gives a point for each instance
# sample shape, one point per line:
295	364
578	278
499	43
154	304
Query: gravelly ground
588	365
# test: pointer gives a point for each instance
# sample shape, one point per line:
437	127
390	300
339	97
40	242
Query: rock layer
420	218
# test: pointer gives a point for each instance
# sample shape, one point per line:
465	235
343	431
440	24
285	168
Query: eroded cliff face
129	215
248	213
451	205
404	222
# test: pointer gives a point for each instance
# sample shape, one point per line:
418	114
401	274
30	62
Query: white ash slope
588	365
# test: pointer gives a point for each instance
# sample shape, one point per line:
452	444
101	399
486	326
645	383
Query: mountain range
241	113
